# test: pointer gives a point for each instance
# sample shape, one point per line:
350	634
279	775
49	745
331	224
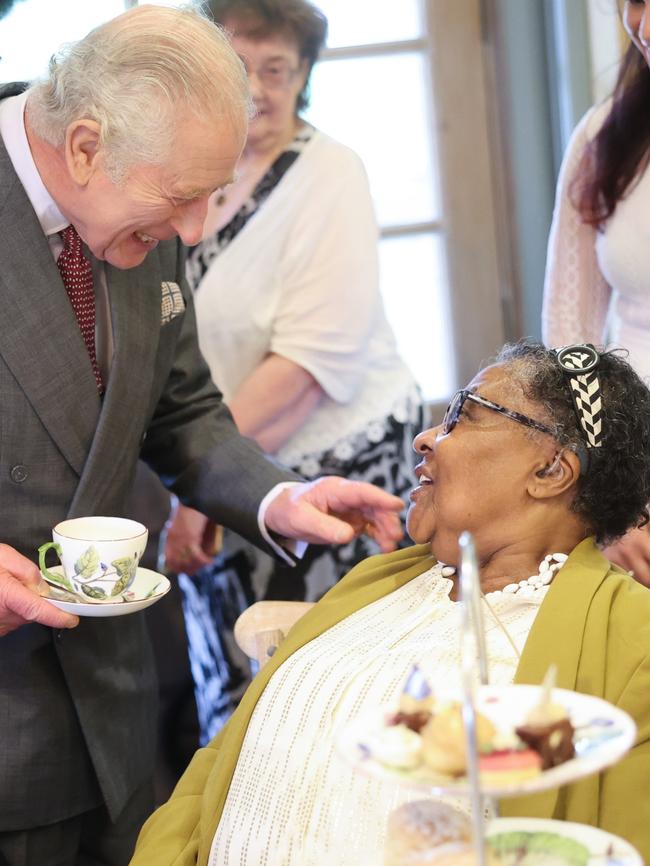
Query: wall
543	76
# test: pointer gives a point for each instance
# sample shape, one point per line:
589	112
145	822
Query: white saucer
147	588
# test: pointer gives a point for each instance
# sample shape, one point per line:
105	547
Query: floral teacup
99	555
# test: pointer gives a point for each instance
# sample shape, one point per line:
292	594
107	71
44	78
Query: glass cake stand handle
472	631
473	653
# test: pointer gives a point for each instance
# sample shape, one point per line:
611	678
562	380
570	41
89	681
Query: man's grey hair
137	76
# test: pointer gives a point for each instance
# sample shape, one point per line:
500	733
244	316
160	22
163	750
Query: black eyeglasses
275	76
458	401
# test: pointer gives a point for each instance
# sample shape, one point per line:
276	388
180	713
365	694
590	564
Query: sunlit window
34	29
362	22
415	287
371	90
384	117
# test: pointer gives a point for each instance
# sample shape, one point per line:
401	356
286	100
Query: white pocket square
172	302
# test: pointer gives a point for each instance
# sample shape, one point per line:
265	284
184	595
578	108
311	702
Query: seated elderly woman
531	471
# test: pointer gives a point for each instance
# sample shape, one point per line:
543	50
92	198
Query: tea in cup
99	555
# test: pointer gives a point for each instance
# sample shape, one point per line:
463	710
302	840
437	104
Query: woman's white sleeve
576	295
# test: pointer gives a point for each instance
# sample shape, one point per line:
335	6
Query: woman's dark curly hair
298	20
613	492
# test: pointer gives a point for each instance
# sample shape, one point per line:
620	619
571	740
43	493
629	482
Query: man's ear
82	147
556	476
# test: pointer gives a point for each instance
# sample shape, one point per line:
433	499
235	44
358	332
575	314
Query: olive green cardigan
594	624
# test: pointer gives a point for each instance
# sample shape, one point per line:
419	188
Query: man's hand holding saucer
21	586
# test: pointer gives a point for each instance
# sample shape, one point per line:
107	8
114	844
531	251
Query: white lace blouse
293	801
597	285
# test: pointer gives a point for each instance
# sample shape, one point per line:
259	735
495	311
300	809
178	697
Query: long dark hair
620	151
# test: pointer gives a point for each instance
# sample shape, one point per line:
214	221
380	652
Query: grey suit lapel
39	337
135	300
41	343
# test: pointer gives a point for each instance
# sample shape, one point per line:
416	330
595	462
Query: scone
431	833
424	829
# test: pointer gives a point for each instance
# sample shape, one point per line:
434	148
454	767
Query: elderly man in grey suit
105	168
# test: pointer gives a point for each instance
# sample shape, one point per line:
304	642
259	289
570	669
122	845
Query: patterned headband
579	364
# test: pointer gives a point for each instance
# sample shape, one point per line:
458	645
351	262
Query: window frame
460	88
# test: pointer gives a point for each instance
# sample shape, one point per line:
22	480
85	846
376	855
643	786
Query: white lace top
292	801
301	280
597	285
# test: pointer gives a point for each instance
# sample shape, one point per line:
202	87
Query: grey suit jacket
77	708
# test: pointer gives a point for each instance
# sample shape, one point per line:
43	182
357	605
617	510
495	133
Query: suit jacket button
19	473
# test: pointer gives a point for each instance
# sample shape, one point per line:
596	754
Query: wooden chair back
261	628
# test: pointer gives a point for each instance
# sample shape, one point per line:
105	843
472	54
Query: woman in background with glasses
291	322
538	476
597	285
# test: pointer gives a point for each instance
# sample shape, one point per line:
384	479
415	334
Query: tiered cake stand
603	736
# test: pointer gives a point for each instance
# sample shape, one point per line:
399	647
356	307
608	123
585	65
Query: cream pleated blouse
293	801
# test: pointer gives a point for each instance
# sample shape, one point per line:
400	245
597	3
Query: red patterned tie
77	274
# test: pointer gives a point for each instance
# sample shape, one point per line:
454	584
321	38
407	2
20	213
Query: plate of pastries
529	738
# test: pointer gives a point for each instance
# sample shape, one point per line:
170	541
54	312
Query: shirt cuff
288	549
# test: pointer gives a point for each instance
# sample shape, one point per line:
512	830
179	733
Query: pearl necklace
548	568
525	588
